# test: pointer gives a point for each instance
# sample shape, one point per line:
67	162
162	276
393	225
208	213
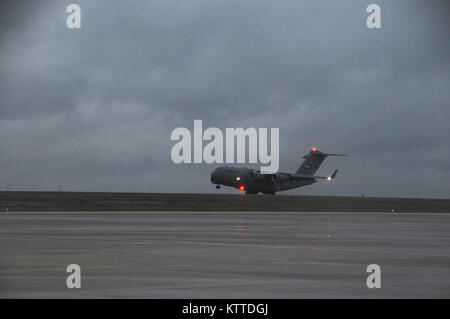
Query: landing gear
217	186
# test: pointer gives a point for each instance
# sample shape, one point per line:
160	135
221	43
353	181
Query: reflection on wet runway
224	255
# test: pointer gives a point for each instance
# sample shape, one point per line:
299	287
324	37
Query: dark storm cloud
92	109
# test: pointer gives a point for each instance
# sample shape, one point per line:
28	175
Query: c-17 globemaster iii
253	182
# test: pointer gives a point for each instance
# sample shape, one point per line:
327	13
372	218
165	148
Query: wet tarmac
224	254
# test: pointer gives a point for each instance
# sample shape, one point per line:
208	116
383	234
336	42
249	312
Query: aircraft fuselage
252	182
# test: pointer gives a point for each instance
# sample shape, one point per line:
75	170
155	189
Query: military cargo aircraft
253	182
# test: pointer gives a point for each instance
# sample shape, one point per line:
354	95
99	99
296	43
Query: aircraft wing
299	177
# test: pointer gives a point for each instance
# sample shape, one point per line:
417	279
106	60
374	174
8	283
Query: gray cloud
92	109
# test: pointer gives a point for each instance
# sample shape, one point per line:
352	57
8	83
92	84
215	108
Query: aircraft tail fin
312	162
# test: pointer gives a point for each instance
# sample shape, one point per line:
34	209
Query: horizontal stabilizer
336	154
334	174
326	154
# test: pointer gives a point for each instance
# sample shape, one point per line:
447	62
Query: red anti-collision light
314	149
241	188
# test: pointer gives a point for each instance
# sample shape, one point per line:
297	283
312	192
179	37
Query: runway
224	254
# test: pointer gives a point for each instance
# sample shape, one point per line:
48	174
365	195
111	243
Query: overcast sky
92	109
